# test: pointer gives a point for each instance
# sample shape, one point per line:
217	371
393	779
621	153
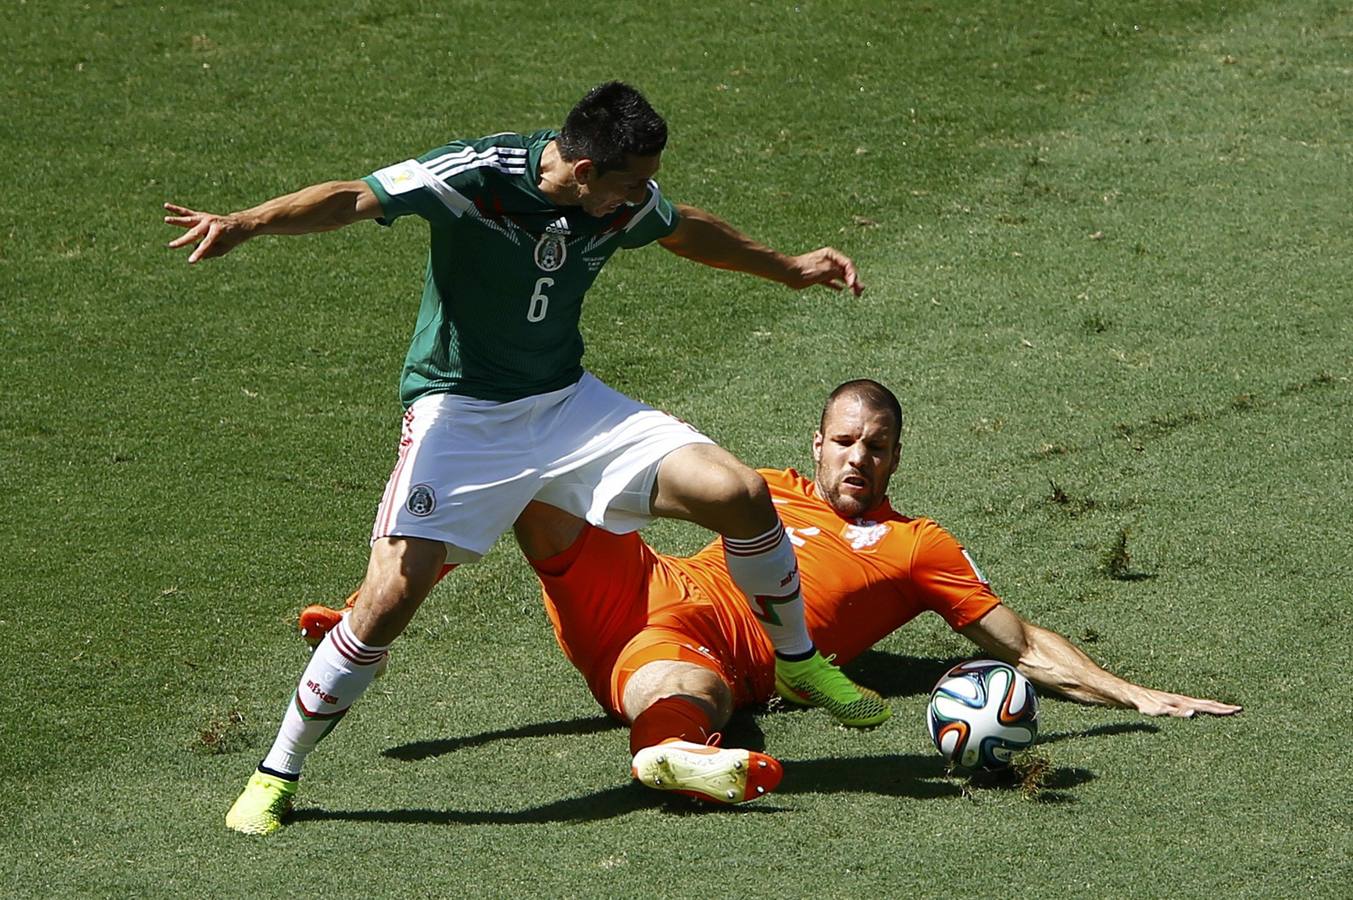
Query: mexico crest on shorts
552	248
422	500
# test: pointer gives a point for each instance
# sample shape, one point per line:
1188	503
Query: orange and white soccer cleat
316	621
707	771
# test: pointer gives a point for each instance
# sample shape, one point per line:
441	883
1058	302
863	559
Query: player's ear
584	170
817	448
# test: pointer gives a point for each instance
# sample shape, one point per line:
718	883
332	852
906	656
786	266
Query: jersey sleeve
412	187
948	581
656	219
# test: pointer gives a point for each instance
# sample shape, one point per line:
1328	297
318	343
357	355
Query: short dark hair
871	394
610	124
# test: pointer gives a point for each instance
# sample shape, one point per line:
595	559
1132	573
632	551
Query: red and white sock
340	671
765	569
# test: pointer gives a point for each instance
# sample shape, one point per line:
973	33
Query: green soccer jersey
507	269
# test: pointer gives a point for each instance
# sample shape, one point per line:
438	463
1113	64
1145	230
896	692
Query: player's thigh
605	455
544	531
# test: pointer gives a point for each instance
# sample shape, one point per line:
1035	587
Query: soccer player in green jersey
498	408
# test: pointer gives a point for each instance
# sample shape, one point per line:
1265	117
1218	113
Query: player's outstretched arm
1051	661
320	207
705	238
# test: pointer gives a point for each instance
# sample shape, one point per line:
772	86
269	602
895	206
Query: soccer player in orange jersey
669	645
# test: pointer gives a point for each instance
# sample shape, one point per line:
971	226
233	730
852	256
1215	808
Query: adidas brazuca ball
981	712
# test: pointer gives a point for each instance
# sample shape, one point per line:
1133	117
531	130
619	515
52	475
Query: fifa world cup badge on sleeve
401	177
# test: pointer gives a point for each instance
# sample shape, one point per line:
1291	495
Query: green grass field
1108	257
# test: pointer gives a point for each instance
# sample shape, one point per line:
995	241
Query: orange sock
671	718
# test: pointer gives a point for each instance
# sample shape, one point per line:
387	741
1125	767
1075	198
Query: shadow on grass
920	777
741	731
889	775
894	675
412	752
1098	731
915	776
607	804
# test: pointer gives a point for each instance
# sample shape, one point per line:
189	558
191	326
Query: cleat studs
760	789
762	763
662	759
737	765
730	795
657	780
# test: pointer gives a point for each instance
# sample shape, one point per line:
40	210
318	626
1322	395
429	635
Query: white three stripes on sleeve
510	160
411	174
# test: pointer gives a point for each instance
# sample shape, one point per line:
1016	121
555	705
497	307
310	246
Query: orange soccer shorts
616	606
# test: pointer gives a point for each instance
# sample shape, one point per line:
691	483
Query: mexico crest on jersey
552	248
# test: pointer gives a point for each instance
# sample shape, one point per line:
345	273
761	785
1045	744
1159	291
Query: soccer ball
981	712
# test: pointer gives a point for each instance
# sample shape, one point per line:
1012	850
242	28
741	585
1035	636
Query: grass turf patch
1104	255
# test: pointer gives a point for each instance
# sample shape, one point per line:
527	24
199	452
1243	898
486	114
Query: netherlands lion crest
422	500
865	534
552	248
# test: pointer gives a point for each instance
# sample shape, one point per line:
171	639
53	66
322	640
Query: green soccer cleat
816	682
261	806
707	771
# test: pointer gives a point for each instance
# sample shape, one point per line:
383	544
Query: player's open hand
1162	703
826	266
213	235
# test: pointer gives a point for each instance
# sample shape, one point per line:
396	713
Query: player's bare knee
744	503
731	485
709	486
758	492
742	486
661	679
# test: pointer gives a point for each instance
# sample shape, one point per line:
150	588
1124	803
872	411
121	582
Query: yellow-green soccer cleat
816	682
261	806
707	771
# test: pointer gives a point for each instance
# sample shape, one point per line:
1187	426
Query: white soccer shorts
468	467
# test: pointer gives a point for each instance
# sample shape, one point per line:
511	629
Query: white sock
340	671
765	569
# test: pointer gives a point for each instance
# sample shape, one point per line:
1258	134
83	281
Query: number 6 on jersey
539	302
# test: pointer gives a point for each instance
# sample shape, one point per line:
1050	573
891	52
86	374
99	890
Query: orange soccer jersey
618	604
